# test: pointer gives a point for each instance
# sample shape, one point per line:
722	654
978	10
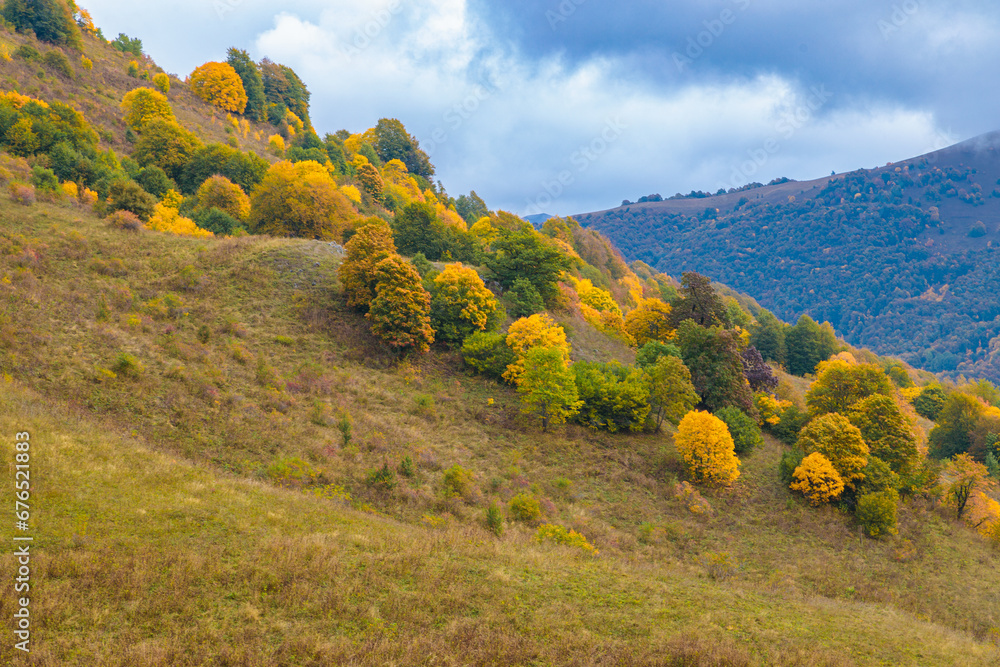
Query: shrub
133	69
57	61
488	353
127	195
560	535
494	519
876	512
293	472
523	507
27	52
44	179
407	467
86	63
127	365
276	144
382	479
162	82
125	220
704	442
978	229
790	460
21	193
817	479
458	482
746	434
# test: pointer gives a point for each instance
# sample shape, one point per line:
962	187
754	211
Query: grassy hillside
900	259
198	503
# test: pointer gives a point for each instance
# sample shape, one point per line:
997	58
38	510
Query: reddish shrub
125	220
22	193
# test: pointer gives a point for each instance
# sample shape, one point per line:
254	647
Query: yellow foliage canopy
370	245
539	330
704	442
650	321
219	84
840	442
166	219
142	105
817	479
300	199
221	193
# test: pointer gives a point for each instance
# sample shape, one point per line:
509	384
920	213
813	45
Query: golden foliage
840	441
371	244
704	442
650	321
276	144
770	408
462	304
162	82
141	105
352	193
400	312
166	219
538	330
817	479
220	85
221	193
86	63
595	297
300	199
553	533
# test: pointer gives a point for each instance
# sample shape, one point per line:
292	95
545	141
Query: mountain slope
893	257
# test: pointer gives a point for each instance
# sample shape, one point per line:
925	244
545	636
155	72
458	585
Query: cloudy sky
569	106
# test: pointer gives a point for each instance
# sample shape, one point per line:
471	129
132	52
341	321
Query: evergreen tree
253	83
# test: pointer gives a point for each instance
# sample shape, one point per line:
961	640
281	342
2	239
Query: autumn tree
963	478
817	479
704	443
221	193
713	356
650	321
957	421
219	85
839	385
167	145
246	170
526	254
370	245
698	302
547	386
538	330
836	438
461	304
50	20
301	200
400	312
615	397
671	394
758	374
142	105
285	92
887	432
393	142
370	180
929	401
253	83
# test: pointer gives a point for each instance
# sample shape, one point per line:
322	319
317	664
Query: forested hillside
290	402
900	259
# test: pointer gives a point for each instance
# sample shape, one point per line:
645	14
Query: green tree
547	387
167	145
393	142
615	397
526	254
698	302
713	357
253	83
471	208
746	434
957	420
839	385
127	195
488	353
768	336
523	299
876	512
400	312
416	228
671	394
807	344
929	401
651	352
837	439
888	433
246	170
50	20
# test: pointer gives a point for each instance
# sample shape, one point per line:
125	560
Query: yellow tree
539	330
840	441
704	443
839	385
221	193
142	105
400	313
650	321
220	85
817	479
547	387
964	480
461	304
300	199
671	394
370	245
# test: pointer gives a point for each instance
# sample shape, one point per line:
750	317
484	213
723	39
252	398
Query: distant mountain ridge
901	258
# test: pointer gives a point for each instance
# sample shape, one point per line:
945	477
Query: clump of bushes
560	535
125	220
458	482
523	507
21	193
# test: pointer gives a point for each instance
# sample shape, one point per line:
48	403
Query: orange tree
707	449
400	312
300	199
370	245
219	84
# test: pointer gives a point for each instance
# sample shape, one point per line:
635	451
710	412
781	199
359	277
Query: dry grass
165	540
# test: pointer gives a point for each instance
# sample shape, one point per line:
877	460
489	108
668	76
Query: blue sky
569	106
